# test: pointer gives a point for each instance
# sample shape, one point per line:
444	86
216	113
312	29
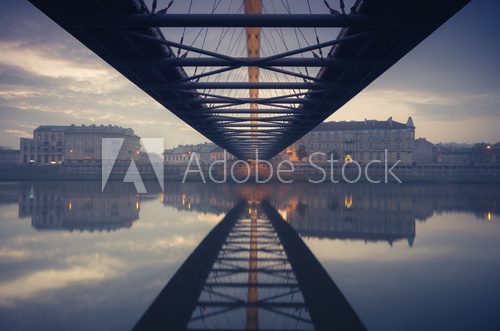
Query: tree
481	153
302	208
334	154
302	152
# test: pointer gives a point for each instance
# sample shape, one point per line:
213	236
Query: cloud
51	78
19	133
16	254
80	270
438	116
59	66
156	246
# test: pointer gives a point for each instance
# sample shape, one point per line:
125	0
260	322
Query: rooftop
87	128
389	124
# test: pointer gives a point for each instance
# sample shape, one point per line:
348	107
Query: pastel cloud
80	270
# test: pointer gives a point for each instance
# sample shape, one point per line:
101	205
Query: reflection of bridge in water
251	272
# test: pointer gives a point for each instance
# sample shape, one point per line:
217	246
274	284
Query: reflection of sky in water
88	280
448	280
408	256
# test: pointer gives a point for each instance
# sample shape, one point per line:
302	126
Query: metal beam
253	125
179	45
277	130
264	60
244	61
248	85
295	112
206	74
340	40
246	119
263	101
235	20
250	136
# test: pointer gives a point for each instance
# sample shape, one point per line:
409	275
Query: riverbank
302	173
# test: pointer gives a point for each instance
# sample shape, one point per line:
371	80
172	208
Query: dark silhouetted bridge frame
373	37
304	294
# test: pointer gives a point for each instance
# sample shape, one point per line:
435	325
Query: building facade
9	156
362	141
27	150
424	152
495	150
206	153
454	154
53	144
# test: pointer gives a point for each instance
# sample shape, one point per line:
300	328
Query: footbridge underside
251	99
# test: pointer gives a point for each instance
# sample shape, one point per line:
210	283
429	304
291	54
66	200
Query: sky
449	84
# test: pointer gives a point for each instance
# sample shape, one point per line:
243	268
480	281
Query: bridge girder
372	38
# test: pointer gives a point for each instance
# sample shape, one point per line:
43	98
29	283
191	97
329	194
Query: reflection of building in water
79	206
479	200
8	193
357	212
381	212
251	272
198	197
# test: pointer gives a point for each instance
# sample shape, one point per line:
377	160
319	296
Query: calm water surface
406	257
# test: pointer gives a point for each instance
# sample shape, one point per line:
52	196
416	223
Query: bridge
252	76
251	272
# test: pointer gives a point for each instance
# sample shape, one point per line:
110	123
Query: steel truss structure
251	285
306	83
251	272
